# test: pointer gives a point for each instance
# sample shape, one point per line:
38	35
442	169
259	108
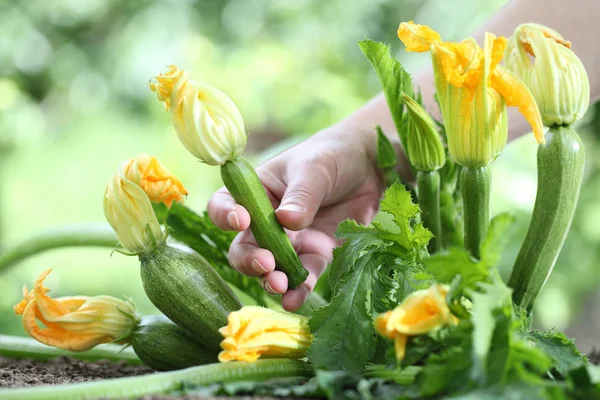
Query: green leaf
398	202
491	314
371	272
457	261
199	233
563	352
497	237
344	335
394	80
386	155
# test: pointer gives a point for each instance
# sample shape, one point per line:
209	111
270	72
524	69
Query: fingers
246	257
226	213
304	194
315	253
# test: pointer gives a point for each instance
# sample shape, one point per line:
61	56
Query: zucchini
184	287
475	184
560	173
247	190
164	346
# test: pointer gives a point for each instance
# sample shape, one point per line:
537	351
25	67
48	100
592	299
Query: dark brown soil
19	373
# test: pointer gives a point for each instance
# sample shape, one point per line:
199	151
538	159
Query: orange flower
160	185
421	312
75	323
474	91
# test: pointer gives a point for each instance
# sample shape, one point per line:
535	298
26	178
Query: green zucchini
475	184
164	346
560	173
186	288
247	190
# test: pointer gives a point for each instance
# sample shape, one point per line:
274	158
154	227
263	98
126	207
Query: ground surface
20	373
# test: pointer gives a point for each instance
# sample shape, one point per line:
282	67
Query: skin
333	176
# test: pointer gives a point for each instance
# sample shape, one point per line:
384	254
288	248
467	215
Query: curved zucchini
247	190
164	346
560	173
185	288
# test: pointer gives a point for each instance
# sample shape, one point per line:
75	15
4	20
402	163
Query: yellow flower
160	185
129	211
555	76
425	149
421	312
207	122
253	332
75	323
473	91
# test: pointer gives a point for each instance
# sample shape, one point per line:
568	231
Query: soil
20	373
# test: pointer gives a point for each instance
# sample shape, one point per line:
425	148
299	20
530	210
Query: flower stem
428	188
560	173
475	188
71	236
165	382
21	347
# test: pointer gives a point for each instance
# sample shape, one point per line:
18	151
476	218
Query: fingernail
258	266
268	288
291	207
233	220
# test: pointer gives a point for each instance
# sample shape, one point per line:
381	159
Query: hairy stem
428	188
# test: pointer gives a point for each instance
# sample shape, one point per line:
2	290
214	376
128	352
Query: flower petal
418	38
516	94
400	346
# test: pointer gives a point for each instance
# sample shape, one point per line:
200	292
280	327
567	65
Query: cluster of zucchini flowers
549	85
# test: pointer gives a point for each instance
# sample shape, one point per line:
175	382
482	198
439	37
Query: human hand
313	186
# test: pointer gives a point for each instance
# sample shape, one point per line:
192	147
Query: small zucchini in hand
247	190
186	288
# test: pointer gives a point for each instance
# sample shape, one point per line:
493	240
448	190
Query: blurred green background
74	103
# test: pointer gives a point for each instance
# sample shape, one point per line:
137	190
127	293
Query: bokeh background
74	103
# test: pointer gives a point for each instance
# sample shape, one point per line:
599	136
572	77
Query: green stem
247	190
560	173
21	347
72	236
165	382
428	188
475	188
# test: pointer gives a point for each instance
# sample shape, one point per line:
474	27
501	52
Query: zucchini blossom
207	121
254	332
421	312
75	323
555	75
160	185
473	91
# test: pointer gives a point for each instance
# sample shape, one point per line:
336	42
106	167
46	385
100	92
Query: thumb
303	197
